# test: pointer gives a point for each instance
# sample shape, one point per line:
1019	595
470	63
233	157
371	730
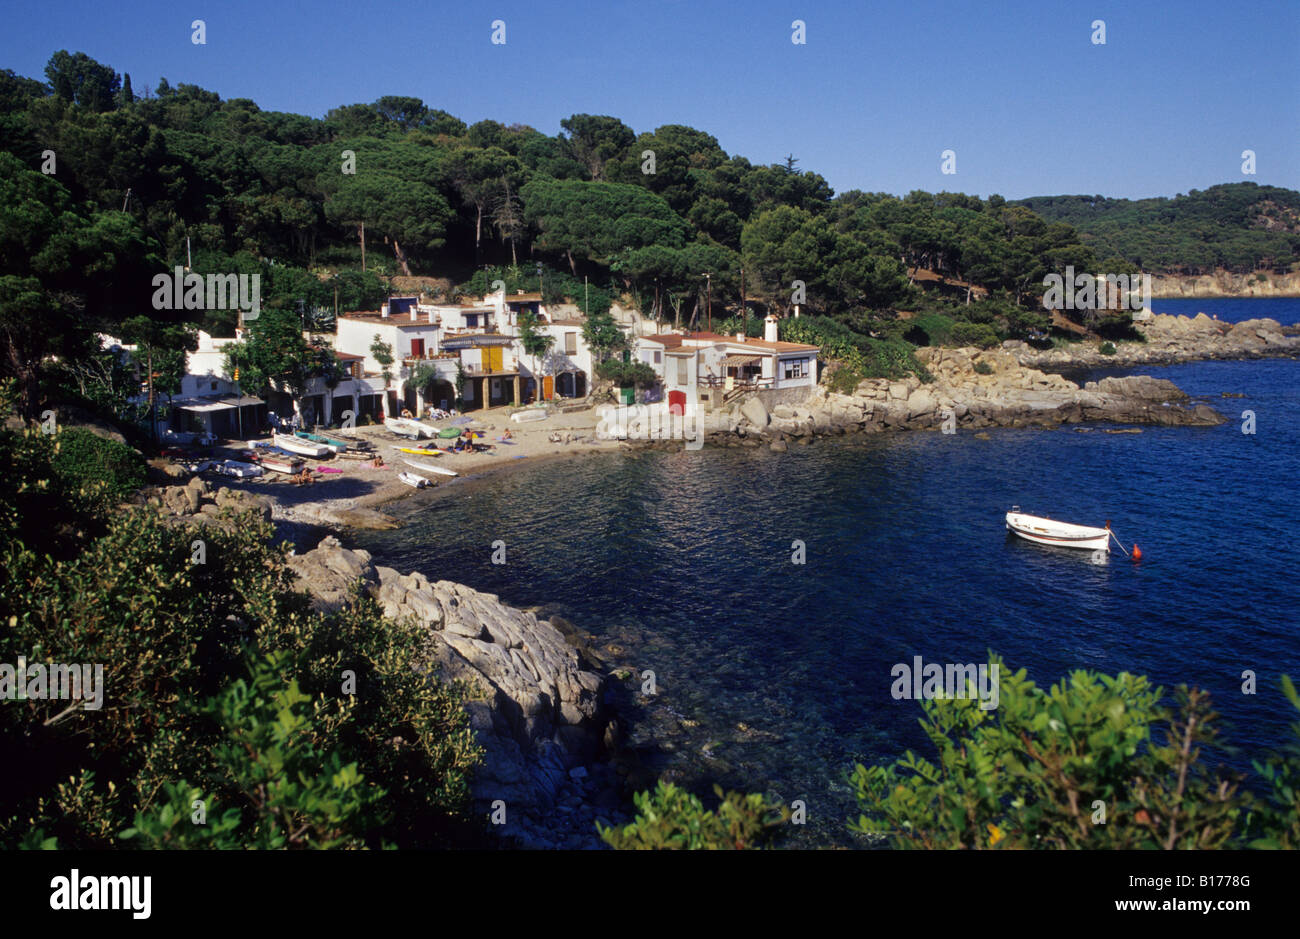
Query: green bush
1107	348
673	819
980	335
81	582
86	459
1040	770
983	368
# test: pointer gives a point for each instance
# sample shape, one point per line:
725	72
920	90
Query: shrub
1040	770
980	335
983	368
86	459
673	819
1107	348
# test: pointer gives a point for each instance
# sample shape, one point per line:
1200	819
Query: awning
741	360
204	407
246	401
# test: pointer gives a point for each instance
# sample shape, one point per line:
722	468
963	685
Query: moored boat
338	446
430	468
413	479
529	414
419	451
1059	534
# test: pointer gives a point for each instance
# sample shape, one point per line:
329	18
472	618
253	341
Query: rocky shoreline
538	707
1170	340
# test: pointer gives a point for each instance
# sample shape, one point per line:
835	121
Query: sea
774	676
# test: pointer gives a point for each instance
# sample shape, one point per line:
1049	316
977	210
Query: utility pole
125	198
586	295
708	298
744	309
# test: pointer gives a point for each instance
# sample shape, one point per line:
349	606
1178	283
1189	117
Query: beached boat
419	451
338	446
529	414
304	447
292	467
430	468
237	469
413	479
406	428
1060	534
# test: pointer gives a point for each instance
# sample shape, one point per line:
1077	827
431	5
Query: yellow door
548	387
493	359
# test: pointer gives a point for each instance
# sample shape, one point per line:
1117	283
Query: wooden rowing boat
1059	534
304	447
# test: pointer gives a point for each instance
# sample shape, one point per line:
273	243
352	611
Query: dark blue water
776	677
1232	310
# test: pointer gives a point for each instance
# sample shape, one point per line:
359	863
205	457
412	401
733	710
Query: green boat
449	433
321	438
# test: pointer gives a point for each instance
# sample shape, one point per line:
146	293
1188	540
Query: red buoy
1137	552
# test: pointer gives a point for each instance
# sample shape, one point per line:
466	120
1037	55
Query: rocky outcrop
972	388
1171	339
197	502
537	709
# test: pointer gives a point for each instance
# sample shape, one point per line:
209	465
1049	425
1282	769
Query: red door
677	402
417	348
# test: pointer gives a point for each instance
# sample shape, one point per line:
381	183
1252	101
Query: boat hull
304	447
405	428
413	480
1058	534
430	468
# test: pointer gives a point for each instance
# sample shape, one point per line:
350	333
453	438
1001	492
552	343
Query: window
681	369
795	368
471	320
570	343
659	358
214	386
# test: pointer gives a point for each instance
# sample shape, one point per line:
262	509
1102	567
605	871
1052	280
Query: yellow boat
419	451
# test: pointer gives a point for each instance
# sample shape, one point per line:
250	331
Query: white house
714	369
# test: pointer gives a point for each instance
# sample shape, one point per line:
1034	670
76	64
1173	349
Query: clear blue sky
1016	88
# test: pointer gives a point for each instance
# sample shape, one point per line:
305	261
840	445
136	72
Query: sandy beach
352	498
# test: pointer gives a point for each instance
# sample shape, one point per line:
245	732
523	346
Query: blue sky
1016	88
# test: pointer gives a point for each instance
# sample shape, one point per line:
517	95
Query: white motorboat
298	445
1060	534
430	468
529	414
413	479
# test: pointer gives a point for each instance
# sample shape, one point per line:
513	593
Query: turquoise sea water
776	676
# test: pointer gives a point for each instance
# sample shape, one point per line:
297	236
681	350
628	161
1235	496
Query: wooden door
493	359
548	387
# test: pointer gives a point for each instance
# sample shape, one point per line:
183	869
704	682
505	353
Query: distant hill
1238	227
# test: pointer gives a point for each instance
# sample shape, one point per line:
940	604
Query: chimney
770	331
383	311
413	314
430	316
740	337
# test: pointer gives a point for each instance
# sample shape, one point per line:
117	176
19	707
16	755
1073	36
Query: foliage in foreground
671	818
221	684
1093	762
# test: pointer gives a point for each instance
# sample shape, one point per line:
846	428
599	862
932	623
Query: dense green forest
1240	227
104	183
